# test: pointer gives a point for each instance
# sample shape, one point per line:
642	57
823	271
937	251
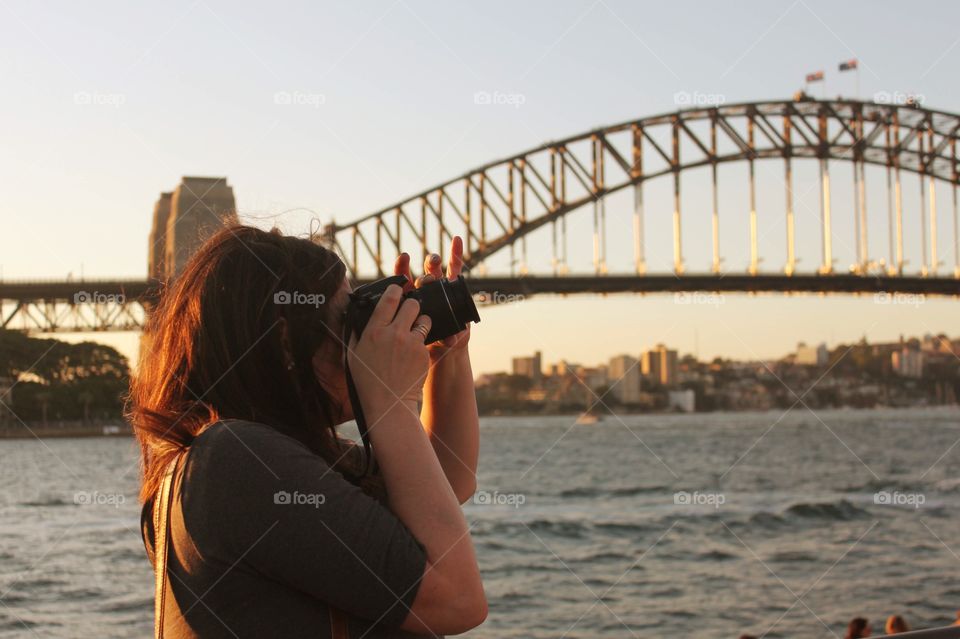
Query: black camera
448	303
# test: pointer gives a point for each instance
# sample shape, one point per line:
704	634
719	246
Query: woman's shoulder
232	452
232	436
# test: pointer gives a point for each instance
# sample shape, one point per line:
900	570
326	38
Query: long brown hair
213	347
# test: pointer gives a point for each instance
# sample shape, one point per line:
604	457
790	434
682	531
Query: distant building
908	362
563	367
682	400
186	218
529	366
812	355
659	365
937	344
157	248
593	378
624	376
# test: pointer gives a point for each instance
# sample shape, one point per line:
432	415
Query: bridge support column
603	236
898	197
754	248
924	270
956	235
791	238
599	236
891	251
864	245
716	222
553	244
596	236
826	265
934	261
639	259
677	239
716	199
858	266
636	172
956	220
564	267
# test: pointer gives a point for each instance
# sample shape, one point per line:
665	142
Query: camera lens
449	305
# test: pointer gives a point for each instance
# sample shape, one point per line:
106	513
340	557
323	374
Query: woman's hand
389	362
432	270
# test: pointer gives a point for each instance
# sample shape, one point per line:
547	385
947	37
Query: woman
276	527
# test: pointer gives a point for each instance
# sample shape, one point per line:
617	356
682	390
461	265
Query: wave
602	555
49	501
798	513
877	485
564	528
835	511
622	528
626	491
948	485
792	556
715	555
18	624
558	528
129	605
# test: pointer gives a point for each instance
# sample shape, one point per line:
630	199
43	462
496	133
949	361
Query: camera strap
358	416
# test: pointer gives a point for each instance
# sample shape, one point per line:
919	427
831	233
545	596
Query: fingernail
434	258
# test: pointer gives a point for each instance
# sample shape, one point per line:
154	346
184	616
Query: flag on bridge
849	65
816	76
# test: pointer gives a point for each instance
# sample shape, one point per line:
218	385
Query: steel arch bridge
495	206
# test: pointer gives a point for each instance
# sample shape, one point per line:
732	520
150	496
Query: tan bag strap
161	532
339	627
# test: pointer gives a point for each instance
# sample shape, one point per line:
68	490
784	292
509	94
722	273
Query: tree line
57	380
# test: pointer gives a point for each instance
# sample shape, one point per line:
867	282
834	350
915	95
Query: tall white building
624	375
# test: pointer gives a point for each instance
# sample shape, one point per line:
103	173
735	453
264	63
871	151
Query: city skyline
913	371
811	354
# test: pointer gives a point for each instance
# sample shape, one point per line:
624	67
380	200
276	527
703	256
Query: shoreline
113	429
62	431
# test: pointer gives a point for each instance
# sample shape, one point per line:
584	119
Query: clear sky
106	104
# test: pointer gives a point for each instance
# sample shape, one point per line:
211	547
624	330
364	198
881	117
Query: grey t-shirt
264	535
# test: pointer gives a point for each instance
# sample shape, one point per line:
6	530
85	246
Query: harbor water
635	526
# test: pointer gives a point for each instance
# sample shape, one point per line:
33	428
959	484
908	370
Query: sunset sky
105	109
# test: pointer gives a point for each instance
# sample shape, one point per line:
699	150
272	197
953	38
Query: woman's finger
407	313
426	323
431	266
455	263
402	267
386	308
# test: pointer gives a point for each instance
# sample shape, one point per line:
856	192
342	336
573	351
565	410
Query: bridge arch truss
495	206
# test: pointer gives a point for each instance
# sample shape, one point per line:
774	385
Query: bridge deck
67	291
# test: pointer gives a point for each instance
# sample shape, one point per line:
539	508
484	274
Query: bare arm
449	415
390	361
449	412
